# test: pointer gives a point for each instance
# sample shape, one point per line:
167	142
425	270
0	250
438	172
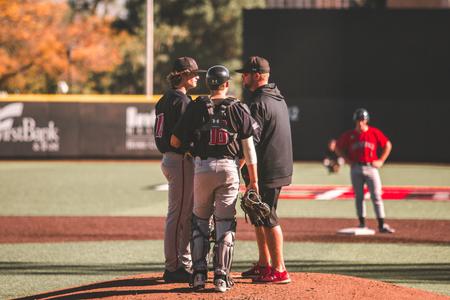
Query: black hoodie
274	150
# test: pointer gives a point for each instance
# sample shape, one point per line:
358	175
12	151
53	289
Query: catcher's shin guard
199	243
225	235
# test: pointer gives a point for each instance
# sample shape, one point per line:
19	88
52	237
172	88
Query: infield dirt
303	286
18	229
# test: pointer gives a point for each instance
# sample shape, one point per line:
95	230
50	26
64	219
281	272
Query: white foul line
332	194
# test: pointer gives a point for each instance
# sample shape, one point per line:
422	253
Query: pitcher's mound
303	286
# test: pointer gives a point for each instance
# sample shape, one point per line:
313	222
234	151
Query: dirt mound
303	286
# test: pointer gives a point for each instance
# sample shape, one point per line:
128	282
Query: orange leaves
43	37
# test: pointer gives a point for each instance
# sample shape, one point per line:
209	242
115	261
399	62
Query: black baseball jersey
168	111
216	128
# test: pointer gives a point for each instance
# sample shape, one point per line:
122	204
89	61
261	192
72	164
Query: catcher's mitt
252	206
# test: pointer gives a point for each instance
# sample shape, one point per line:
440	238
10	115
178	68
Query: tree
41	42
44	41
208	30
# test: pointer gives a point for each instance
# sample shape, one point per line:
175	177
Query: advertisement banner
77	130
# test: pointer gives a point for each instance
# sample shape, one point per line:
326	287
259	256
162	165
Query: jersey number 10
218	136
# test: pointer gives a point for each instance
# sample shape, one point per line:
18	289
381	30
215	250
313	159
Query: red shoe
256	271
275	277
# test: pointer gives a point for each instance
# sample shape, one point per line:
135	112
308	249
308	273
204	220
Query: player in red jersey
359	149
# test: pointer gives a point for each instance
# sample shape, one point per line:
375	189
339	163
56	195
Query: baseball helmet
216	76
361	114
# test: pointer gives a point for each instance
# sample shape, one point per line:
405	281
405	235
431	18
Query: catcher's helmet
361	114
216	76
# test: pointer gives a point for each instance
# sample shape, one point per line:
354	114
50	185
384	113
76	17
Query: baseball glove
252	206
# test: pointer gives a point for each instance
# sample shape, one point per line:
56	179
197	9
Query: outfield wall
327	63
77	126
80	126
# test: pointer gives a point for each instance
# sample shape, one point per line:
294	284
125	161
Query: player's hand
377	163
253	186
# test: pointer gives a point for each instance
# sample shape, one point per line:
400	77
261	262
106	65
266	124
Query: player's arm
257	114
342	153
180	106
241	115
181	129
384	155
178	133
251	162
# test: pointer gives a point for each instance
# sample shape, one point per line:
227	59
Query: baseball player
222	131
275	166
359	149
178	169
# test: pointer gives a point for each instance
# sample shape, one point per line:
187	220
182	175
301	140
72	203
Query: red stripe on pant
181	209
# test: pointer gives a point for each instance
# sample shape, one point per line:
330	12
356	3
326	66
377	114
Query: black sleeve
184	102
182	128
257	113
180	104
189	122
242	121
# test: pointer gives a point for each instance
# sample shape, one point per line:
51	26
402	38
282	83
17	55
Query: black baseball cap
255	64
186	63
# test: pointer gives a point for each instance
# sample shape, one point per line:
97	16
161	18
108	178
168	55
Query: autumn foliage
43	42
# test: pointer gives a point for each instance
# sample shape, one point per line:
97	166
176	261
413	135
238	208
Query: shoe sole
274	282
282	281
249	276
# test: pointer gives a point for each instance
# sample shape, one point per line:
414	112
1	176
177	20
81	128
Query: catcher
221	130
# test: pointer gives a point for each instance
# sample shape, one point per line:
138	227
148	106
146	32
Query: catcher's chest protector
218	117
217	134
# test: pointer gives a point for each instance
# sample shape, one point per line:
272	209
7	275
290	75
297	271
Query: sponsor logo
42	139
139	129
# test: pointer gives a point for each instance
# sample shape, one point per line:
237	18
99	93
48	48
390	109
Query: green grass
125	189
391	174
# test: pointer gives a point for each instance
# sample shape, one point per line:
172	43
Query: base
356	231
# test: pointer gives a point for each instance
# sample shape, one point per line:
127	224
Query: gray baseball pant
216	187
179	172
360	175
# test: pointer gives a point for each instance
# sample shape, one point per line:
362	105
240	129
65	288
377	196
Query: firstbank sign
41	139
